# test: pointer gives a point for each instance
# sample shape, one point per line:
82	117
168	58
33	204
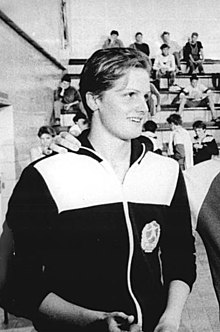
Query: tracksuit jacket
99	243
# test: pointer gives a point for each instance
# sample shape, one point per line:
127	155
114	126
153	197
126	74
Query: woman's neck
116	151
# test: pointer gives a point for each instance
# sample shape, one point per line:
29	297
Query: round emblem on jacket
150	236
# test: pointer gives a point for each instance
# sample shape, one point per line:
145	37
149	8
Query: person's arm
132	46
63	313
120	43
157	65
6	251
106	43
179	154
155	92
210	148
67	140
35	154
29	214
177	257
172	63
201	51
177	296
147	50
67	106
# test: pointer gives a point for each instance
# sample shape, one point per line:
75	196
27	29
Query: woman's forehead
137	78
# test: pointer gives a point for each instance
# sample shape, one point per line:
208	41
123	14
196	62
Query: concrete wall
29	79
41	20
91	21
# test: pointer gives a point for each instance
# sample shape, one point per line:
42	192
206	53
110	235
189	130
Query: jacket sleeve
212	148
30	213
177	241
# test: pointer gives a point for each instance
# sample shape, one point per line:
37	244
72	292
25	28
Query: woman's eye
130	94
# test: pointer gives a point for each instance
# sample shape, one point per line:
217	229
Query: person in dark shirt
193	54
204	145
139	45
67	98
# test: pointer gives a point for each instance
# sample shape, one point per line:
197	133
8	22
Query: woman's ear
91	101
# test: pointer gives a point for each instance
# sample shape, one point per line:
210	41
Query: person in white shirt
47	144
175	48
197	94
81	123
149	131
164	65
180	144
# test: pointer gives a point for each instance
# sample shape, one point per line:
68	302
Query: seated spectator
152	106
180	144
149	131
113	41
47	146
204	145
81	123
139	45
194	55
164	65
175	49
197	94
67	98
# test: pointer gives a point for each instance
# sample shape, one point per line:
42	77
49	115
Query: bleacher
211	68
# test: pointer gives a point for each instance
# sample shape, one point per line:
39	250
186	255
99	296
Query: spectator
81	123
164	66
47	147
149	131
193	53
152	106
96	231
180	144
139	45
175	49
66	98
204	145
113	41
197	94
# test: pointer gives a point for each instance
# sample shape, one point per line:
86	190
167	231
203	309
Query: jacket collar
137	149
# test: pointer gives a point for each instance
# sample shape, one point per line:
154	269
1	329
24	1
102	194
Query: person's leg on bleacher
200	67
171	77
183	101
177	57
191	66
158	75
209	101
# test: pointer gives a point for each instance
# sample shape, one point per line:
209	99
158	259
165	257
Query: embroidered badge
150	236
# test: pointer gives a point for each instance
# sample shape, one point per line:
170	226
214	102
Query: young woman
103	235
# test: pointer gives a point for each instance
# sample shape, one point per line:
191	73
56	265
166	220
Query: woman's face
122	110
46	140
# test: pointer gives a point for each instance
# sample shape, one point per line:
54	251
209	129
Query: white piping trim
131	252
131	243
